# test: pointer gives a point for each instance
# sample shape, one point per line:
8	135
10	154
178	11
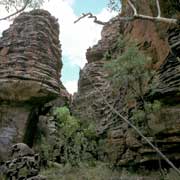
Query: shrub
140	117
132	70
74	141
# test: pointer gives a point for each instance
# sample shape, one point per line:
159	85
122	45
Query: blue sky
90	36
94	6
71	72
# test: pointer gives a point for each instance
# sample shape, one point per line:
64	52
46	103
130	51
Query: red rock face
124	146
30	58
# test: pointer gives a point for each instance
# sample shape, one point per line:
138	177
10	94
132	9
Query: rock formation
124	146
23	164
30	58
30	64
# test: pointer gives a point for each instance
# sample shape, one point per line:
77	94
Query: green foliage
100	171
114	5
67	123
170	8
62	113
45	148
74	141
131	69
152	107
11	5
141	117
89	131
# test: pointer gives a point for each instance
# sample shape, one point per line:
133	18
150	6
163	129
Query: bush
140	117
131	69
74	141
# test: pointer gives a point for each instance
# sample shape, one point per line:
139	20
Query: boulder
23	163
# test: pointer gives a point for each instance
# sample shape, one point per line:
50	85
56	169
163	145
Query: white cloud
75	38
3	24
70	2
71	86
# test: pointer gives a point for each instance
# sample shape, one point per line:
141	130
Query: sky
75	38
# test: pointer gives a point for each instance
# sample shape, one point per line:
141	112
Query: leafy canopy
11	5
75	141
131	69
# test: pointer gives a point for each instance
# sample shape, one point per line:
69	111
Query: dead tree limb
90	15
17	11
135	15
157	18
158	8
133	7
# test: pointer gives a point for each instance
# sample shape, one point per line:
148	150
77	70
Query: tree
136	15
132	69
14	7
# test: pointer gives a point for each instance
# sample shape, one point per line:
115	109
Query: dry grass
99	172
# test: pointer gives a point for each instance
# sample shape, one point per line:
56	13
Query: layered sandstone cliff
161	42
30	57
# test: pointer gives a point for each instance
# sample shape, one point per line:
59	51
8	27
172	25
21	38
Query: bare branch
17	12
158	18
133	7
90	15
158	8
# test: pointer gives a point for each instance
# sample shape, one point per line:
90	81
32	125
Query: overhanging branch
17	12
158	8
133	7
90	15
135	15
158	18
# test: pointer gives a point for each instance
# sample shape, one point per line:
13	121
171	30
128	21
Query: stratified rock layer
30	58
123	146
30	64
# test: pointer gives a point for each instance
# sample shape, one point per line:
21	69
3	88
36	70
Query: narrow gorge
35	107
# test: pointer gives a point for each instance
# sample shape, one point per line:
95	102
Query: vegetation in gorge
74	142
141	117
101	171
133	71
72	150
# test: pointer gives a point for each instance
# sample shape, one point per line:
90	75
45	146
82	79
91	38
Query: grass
98	172
2	177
